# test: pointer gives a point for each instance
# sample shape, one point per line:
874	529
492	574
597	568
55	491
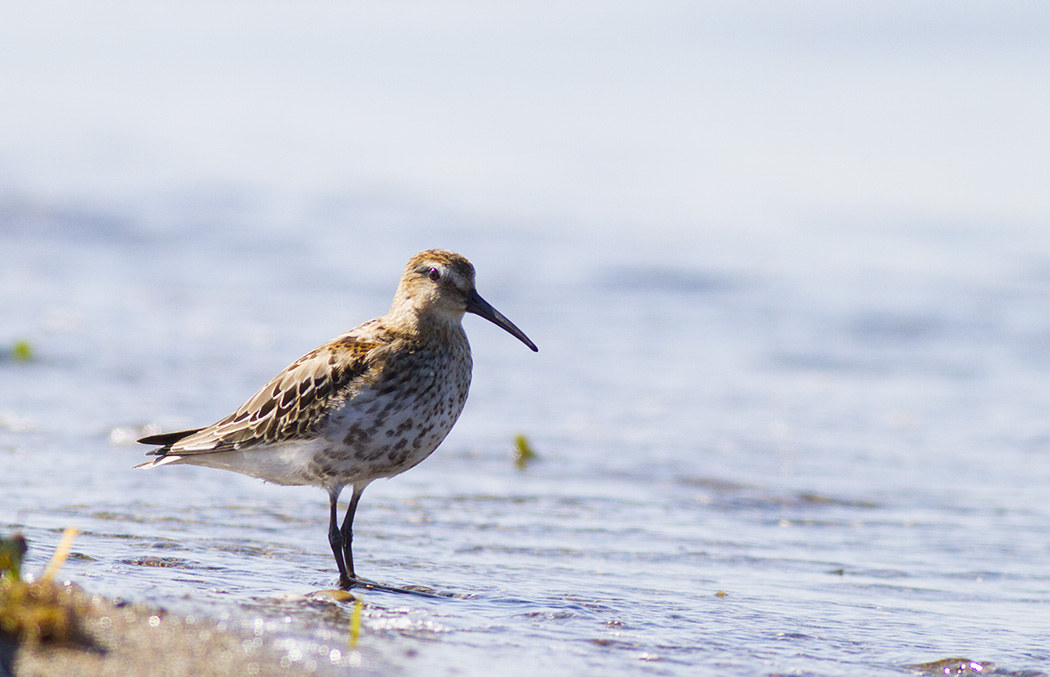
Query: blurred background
681	116
788	265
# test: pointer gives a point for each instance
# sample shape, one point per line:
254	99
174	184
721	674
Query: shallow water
814	466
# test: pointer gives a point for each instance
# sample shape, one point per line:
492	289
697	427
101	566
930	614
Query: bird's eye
434	274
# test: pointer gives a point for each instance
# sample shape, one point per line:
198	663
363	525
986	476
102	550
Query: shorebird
371	403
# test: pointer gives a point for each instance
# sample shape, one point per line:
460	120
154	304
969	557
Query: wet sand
118	638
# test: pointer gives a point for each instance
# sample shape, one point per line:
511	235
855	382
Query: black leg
348	530
335	539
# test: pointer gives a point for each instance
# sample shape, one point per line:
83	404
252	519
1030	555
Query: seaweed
523	452
40	611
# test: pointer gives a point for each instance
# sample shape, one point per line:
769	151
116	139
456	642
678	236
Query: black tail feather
165	439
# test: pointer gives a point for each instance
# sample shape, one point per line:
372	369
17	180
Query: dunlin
371	403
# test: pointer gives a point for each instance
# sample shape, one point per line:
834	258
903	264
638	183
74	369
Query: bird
369	404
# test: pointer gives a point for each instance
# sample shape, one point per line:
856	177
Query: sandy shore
115	638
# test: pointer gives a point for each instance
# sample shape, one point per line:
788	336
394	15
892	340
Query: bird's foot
353	582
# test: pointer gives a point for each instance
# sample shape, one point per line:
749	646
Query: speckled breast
388	426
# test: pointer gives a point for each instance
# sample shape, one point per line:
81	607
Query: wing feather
293	405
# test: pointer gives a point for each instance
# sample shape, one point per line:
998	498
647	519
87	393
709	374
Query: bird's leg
348	530
335	539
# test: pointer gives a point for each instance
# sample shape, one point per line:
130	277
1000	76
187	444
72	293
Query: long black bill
481	307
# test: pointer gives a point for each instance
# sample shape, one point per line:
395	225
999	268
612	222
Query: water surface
751	469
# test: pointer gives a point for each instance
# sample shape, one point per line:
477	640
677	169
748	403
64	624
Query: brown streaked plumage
371	403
